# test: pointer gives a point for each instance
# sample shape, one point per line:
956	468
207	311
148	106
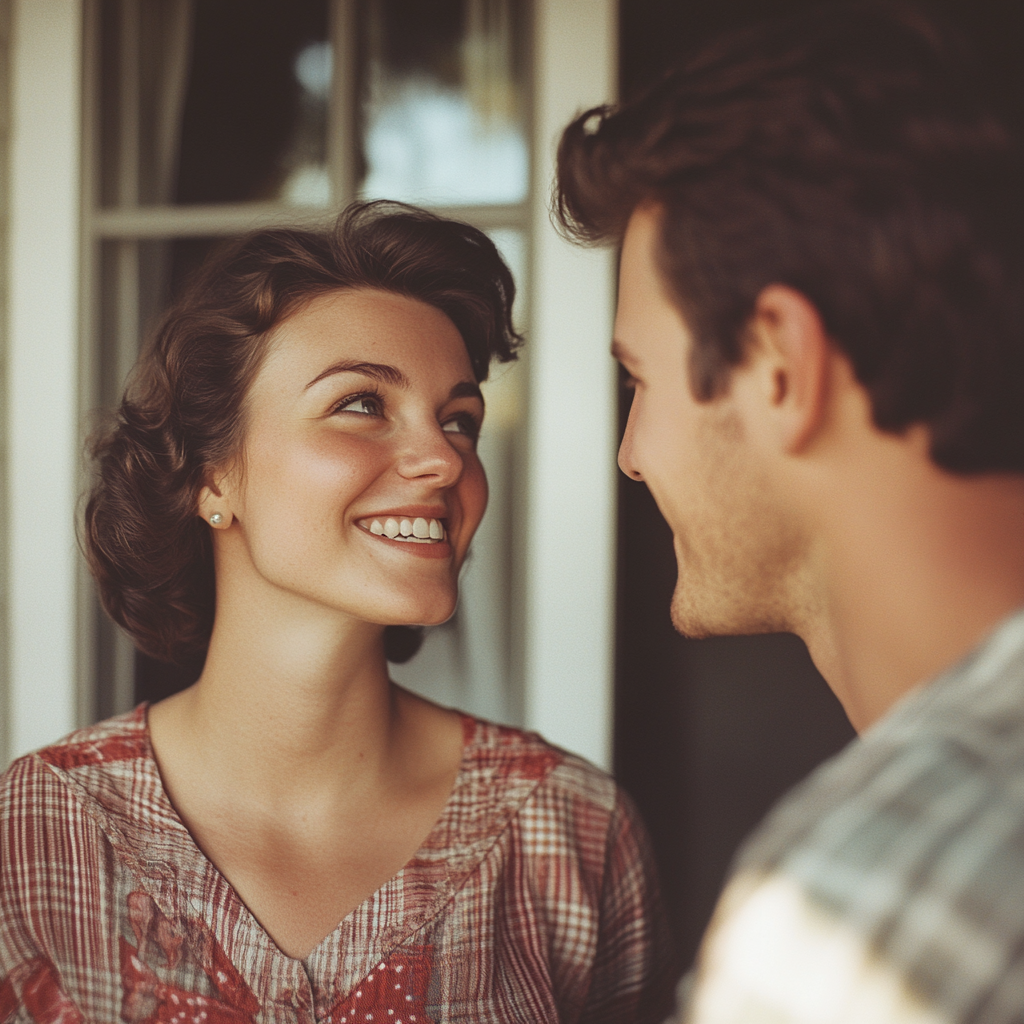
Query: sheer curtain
164	65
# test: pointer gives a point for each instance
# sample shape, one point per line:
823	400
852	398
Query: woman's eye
466	425
366	405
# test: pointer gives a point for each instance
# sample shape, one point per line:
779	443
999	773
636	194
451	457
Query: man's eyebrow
378	371
466	389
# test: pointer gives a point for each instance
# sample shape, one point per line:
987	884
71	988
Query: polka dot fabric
392	993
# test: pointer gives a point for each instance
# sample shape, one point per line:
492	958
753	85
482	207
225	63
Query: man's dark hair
850	154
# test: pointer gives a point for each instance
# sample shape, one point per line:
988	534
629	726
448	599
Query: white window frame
43	436
569	641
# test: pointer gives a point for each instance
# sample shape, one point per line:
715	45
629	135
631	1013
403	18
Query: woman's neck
301	772
287	690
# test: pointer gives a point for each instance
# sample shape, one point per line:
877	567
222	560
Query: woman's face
359	486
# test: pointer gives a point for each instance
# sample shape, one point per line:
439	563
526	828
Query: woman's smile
416	531
419	531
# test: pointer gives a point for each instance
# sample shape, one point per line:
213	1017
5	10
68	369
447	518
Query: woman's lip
436	549
424	522
409	512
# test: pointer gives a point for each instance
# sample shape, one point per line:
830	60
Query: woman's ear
788	340
213	506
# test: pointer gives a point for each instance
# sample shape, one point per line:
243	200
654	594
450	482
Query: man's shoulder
914	835
949	752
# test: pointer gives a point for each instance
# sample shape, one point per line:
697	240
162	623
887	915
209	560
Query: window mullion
127	318
234	218
128	155
341	110
341	119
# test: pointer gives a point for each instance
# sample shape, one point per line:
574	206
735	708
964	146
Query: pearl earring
216	519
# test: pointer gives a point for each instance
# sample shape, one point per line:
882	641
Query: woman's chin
432	618
433	612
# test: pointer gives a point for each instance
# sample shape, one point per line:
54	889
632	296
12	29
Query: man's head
735	546
839	170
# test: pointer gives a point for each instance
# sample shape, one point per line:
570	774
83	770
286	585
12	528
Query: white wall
42	432
568	661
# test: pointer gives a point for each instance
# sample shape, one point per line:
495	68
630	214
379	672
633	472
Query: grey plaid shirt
889	886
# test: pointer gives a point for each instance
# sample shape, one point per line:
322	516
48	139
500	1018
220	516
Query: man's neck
919	566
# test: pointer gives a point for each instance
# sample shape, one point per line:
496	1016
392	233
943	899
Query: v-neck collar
497	774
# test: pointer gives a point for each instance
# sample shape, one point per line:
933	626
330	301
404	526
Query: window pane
442	101
139	278
218	101
208	101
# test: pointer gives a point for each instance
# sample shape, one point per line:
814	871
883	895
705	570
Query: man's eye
367	405
466	425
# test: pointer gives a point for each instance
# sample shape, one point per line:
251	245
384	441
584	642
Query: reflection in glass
309	182
443	101
214	102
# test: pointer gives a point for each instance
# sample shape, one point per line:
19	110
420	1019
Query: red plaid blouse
533	899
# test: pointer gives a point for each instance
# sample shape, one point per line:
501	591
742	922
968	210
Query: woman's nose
431	453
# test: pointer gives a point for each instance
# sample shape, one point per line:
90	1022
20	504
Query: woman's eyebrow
378	371
465	389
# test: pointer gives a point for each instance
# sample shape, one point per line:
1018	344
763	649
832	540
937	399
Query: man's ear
788	342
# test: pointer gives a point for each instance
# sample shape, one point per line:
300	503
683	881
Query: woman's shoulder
62	812
517	756
114	739
42	782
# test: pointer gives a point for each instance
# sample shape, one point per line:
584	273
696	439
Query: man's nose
627	460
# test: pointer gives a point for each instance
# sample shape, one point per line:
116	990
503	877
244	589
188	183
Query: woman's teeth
415	531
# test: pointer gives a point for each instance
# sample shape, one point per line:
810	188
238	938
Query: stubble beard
739	565
737	606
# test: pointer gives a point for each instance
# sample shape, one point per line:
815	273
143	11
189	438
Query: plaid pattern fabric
889	887
533	899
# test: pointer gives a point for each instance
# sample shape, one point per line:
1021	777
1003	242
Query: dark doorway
710	733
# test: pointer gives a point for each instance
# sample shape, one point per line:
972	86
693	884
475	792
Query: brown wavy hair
851	152
182	412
